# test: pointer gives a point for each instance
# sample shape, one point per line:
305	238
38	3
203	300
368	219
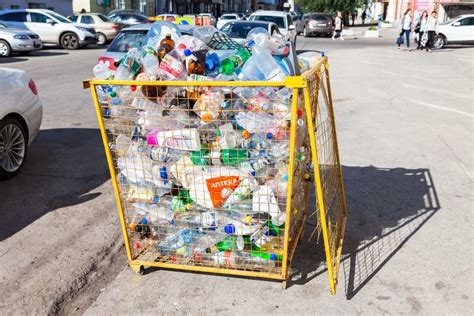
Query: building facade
63	7
394	9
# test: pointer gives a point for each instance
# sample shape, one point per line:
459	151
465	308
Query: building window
120	4
14	7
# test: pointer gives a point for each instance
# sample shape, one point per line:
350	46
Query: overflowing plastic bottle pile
203	169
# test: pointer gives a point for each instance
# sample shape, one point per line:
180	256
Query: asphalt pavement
405	127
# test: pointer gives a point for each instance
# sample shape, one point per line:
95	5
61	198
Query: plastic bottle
129	66
237	227
229	64
166	45
171	67
150	64
208	106
264	200
204	33
268	68
156	212
181	139
189	42
101	71
177	240
229	243
193	65
233	156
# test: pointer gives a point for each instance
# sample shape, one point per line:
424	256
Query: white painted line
443	108
421	88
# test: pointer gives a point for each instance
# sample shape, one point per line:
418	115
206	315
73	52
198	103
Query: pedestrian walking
432	30
338	25
353	17
363	16
406	29
421	29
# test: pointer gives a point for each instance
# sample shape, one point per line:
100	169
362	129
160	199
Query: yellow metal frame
296	83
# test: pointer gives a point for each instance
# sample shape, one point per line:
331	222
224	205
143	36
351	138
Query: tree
331	6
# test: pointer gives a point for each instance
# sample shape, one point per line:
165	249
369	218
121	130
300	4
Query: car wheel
305	32
102	39
439	42
70	41
5	49
13	146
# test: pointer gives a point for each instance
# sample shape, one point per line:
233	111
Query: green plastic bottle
229	64
274	229
230	243
201	157
233	157
266	255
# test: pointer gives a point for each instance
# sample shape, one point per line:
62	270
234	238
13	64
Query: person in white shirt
432	29
406	28
422	28
338	25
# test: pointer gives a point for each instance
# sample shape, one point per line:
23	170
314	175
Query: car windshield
240	30
278	20
126	40
228	17
60	18
138	17
103	18
3	26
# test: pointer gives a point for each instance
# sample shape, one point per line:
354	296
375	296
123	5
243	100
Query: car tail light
149	22
110	62
32	87
115	26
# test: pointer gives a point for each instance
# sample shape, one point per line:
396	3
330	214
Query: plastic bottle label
221	188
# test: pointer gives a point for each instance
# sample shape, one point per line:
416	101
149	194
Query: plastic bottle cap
269	135
133	88
187	52
285	177
229	229
136	245
251	43
206	117
182	46
300	113
248	219
131	227
113	94
210	64
273	257
245	134
144	221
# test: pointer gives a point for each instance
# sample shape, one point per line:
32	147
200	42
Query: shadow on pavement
386	208
12	59
62	167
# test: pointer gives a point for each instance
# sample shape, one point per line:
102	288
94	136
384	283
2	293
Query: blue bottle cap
187	52
322	54
285	177
163	173
210	64
269	135
144	221
253	173
156	199
229	229
273	257
251	43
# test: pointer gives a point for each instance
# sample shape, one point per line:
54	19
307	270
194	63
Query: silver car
15	40
21	112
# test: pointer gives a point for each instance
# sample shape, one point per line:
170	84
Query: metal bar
341	179
319	191
265	275
290	82
111	169
294	108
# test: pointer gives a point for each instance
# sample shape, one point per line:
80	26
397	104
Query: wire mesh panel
331	204
209	176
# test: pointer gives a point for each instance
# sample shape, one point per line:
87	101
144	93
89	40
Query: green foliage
372	28
331	6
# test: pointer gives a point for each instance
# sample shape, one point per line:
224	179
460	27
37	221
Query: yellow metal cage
173	184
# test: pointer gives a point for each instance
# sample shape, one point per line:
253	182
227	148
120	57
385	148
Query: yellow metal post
110	163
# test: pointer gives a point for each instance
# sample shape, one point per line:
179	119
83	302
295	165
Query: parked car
238	30
212	18
128	17
130	37
459	30
106	29
21	112
51	27
15	40
167	17
226	18
280	18
315	24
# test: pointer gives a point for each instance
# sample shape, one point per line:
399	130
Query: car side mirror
291	27
457	24
50	21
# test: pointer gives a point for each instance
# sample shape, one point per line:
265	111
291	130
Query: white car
19	41
21	112
459	30
280	18
226	18
51	27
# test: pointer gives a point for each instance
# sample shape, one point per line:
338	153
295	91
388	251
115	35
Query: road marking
421	88
444	108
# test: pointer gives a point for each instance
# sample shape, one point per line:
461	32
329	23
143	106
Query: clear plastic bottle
101	71
129	66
